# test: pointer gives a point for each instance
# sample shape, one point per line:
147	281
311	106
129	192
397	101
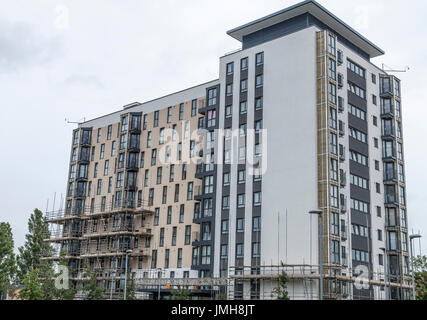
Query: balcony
387	111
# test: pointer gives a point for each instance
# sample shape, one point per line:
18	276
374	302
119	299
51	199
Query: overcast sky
82	59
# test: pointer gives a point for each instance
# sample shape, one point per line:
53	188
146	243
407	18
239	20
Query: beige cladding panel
183	184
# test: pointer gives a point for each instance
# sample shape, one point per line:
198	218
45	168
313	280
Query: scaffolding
88	248
258	282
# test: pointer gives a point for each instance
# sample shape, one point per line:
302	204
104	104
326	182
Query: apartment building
217	181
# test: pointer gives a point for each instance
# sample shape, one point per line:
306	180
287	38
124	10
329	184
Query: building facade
217	181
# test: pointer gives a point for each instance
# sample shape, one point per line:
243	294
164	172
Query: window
224	227
359	113
332	93
258	103
162	136
176	197
230	68
359	158
76	137
162	237
243	107
259	80
153	157
244	64
169	119
334	196
240	225
192	146
358	135
229	90
226	179
242	176
359	182
206	231
211	118
399	151
388	150
239	251
333	118
244	85
206	254
209	187
333	143
179	259
374	99
174	229
397	87
241	200
164	194
259	58
402	195
156	119
256	224
356	68
380	235
95	171
228	111
194	107
258	126
257	199
106	165
361	93
359	205
226	202
187	238
212	96
331	44
149	139
159	175
73	171
332	68
190	191
256	250
110	184
378	187
224	251
184	171
334	169
156	216
374	78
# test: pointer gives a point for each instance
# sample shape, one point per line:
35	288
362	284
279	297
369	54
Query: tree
7	258
420	276
35	248
181	294
90	286
32	289
65	293
281	291
130	289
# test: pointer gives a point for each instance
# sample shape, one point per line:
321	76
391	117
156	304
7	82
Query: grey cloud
21	47
79	79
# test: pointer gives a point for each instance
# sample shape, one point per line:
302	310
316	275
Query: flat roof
319	12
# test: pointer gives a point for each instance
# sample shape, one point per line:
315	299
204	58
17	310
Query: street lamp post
412	237
113	274
159	276
385	273
129	251
319	213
